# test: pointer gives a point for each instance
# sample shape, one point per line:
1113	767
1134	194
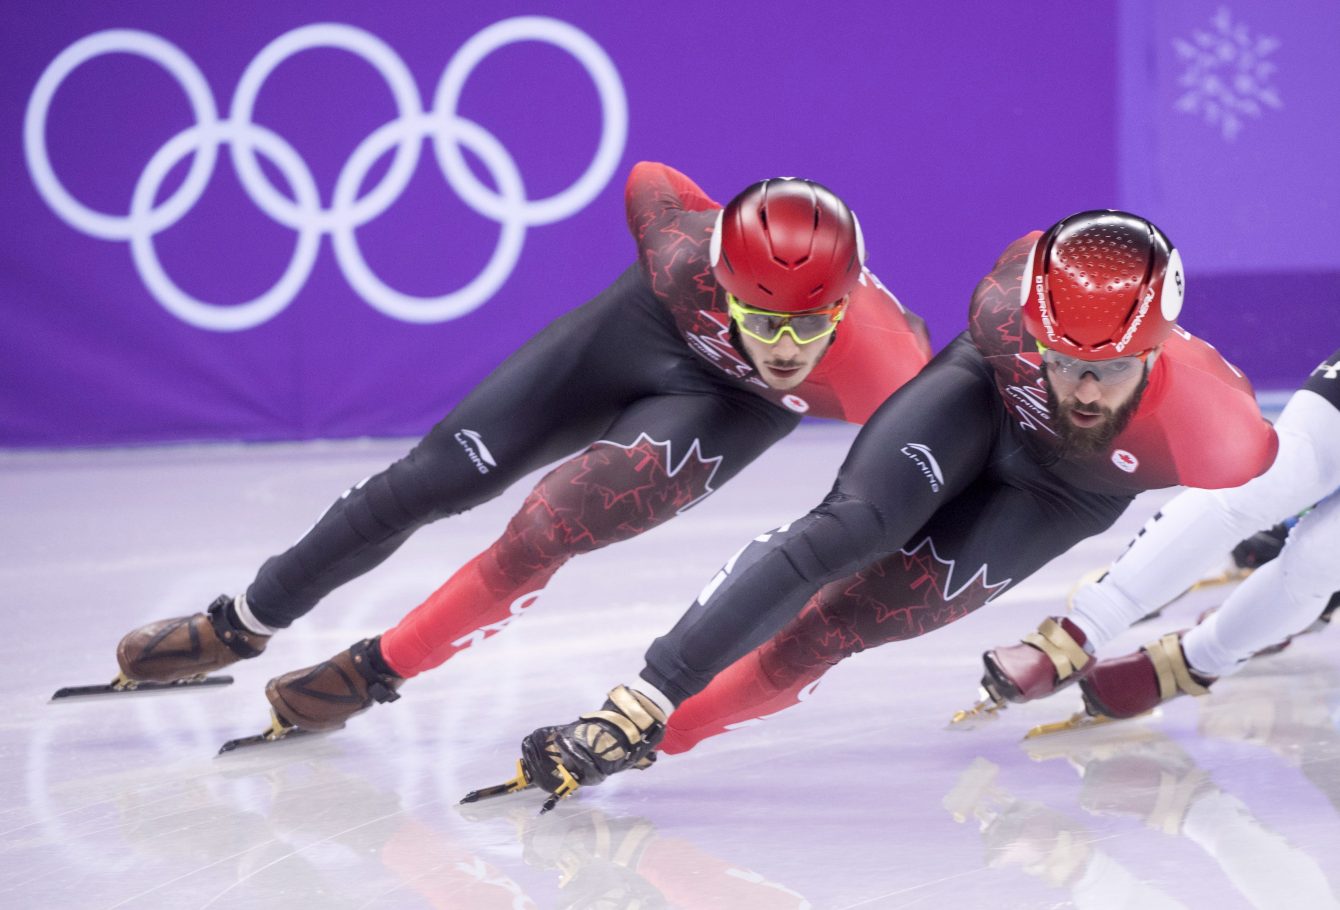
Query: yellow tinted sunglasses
768	326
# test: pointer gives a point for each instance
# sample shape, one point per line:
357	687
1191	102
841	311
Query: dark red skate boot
1128	686
324	696
187	646
1046	660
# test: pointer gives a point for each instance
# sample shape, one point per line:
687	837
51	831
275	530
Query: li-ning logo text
924	460
479	454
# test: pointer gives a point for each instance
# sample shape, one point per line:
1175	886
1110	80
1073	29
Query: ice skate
559	760
177	654
987	707
1261	547
320	698
1046	660
1125	687
277	730
1080	720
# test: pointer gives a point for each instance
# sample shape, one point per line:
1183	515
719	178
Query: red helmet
787	245
1102	284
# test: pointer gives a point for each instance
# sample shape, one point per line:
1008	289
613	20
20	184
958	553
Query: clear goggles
1109	372
768	326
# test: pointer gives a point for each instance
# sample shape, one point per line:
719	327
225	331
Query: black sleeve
1325	379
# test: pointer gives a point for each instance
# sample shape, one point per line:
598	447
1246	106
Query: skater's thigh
709	435
987	539
559	393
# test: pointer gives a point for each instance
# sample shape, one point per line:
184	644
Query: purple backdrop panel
1230	119
263	221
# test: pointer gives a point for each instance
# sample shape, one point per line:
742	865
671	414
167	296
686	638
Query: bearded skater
1293	591
1072	391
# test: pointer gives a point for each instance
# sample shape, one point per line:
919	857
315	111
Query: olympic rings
442	125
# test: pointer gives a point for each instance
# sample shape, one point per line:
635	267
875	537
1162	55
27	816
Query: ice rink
858	798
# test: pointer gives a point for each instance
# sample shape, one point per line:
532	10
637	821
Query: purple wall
1230	122
949	131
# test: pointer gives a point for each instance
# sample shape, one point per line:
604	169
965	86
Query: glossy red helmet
787	245
1102	284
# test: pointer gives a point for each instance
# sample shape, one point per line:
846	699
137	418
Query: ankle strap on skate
632	716
1171	667
1066	654
240	641
381	686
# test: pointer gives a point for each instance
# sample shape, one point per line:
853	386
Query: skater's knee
845	532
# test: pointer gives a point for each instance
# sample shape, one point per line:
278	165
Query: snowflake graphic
1227	74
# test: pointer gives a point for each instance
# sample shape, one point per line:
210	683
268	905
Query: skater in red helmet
732	324
1072	390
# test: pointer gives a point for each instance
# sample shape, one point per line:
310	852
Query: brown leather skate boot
187	646
1129	686
324	696
1046	660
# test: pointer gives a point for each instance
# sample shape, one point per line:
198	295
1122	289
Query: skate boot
1046	660
187	646
558	760
324	696
1261	547
1128	686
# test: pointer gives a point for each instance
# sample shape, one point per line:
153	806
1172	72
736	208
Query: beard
1081	441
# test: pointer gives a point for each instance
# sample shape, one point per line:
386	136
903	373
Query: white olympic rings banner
448	131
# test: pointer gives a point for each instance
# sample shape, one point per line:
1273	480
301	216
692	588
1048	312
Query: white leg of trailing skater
1206	653
1280	599
1190	539
1102	611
